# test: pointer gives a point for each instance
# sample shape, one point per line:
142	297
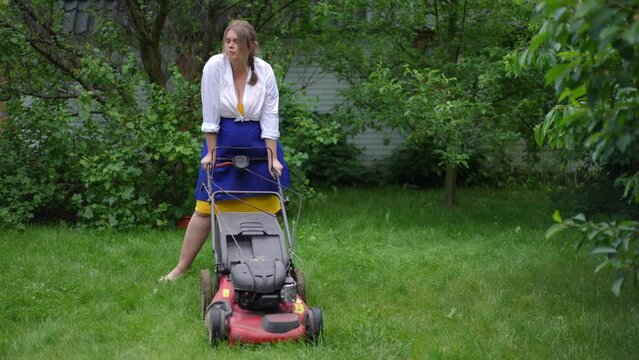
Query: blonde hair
246	34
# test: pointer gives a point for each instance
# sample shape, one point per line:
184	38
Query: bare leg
196	233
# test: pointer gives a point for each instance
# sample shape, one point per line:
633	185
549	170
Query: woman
240	108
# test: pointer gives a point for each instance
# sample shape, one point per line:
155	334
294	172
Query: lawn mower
256	294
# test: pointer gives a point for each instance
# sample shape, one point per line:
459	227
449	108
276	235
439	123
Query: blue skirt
246	134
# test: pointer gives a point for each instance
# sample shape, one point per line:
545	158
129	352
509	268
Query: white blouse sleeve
211	96
269	118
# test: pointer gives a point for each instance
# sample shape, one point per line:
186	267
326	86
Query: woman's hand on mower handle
206	161
275	168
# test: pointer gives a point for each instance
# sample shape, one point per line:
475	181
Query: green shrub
411	164
337	164
112	164
305	137
419	164
39	151
142	166
615	244
127	158
334	162
597	193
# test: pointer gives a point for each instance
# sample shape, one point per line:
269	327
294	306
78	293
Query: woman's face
233	48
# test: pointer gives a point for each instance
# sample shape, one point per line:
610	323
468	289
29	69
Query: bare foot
173	275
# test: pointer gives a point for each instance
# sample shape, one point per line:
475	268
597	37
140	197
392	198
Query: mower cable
222	222
233	197
299	208
232	236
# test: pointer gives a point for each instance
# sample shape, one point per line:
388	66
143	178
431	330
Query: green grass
397	275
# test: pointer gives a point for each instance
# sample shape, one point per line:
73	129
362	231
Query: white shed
322	91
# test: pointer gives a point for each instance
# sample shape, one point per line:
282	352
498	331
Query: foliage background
94	136
589	52
101	128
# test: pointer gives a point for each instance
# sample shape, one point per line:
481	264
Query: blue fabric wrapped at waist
245	134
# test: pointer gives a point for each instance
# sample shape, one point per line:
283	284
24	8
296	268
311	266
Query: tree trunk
199	46
452	21
152	61
148	32
450	185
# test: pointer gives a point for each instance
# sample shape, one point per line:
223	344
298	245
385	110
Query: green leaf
633	182
556	73
623	142
559	12
87	214
554	230
568	55
578	243
604	264
538	40
609	32
556	215
577	93
579	217
602	249
592	234
524	58
631	35
539	136
616	285
567	92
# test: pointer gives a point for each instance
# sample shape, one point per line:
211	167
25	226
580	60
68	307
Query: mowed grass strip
397	275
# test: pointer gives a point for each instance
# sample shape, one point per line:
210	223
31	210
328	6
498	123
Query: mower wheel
313	323
301	286
206	293
216	325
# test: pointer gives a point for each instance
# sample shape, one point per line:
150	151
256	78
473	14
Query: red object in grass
246	326
183	222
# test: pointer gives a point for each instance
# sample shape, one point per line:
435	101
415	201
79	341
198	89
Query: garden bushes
126	159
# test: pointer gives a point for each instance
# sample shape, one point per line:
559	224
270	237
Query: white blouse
261	101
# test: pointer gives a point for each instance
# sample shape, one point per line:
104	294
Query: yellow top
240	108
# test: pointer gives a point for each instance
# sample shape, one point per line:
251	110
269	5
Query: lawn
397	275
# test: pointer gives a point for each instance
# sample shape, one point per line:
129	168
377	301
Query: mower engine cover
259	275
257	283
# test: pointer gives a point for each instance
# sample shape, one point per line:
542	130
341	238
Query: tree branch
50	97
461	32
528	126
149	38
160	19
258	27
68	66
140	25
